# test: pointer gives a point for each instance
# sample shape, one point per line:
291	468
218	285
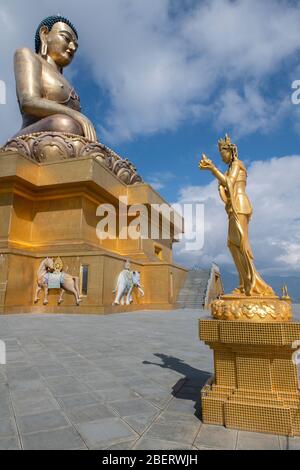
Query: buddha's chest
56	88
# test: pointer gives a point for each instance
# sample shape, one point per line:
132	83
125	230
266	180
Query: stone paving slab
122	381
292	443
59	439
126	445
140	422
258	441
158	444
133	407
53	419
216	436
181	432
104	432
7	427
29	404
10	443
84	414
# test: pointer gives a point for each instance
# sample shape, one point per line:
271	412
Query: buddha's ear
43	37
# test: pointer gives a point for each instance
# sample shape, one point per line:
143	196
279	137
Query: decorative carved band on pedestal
45	147
258	309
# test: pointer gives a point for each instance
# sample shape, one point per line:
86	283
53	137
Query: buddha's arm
28	72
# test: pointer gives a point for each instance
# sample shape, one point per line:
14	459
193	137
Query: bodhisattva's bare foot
238	291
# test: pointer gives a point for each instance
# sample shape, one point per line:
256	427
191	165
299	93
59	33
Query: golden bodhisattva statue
232	189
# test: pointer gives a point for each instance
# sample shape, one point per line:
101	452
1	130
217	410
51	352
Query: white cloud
210	61
249	111
245	36
159	181
274	188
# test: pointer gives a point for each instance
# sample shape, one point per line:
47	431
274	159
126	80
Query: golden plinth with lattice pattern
255	386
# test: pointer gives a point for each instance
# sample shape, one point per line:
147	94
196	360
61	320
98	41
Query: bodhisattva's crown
225	143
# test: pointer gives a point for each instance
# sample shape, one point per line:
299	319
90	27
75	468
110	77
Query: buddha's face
226	155
61	43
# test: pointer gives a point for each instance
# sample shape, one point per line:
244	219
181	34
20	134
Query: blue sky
162	155
163	80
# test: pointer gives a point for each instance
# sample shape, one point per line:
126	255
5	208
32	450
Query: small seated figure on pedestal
47	100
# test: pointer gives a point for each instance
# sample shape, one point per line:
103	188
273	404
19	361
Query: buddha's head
56	37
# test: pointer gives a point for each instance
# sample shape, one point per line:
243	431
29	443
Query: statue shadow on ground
189	386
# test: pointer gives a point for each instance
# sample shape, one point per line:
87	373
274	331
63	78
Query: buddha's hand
205	163
88	128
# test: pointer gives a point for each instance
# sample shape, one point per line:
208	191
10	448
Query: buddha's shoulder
25	53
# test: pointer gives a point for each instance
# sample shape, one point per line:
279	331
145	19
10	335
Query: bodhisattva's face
226	155
61	44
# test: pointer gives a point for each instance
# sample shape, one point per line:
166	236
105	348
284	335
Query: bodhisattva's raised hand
205	163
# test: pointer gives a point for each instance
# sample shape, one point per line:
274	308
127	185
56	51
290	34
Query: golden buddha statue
53	128
47	100
232	189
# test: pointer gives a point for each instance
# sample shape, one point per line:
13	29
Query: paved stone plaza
123	381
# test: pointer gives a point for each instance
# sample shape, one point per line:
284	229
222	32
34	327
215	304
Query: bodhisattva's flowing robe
239	210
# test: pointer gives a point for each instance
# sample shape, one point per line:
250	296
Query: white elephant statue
127	281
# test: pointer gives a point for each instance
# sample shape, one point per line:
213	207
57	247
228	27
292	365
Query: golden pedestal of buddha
54	174
48	208
255	386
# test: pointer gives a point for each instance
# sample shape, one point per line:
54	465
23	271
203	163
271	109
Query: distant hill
230	281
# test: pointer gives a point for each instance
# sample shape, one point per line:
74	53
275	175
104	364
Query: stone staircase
193	292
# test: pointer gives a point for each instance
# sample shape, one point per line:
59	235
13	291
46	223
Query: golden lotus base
241	307
50	147
255	387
